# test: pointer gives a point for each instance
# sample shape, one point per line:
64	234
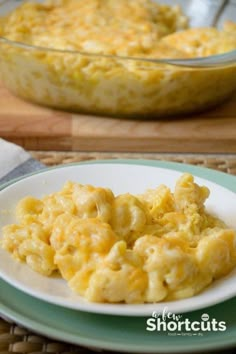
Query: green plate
113	332
121	333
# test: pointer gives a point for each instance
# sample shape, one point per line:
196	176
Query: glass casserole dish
154	82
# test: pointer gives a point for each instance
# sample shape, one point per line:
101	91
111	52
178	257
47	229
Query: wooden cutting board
38	128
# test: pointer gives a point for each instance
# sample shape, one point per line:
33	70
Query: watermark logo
176	324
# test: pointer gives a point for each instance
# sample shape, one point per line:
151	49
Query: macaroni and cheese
82	57
156	246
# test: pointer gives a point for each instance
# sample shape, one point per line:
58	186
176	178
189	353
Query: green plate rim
228	340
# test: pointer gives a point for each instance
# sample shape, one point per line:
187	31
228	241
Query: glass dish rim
217	60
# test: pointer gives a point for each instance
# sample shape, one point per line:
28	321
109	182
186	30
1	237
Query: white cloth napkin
15	162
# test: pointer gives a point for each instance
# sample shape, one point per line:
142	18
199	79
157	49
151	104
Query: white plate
121	178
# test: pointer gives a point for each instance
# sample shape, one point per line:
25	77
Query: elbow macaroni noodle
152	247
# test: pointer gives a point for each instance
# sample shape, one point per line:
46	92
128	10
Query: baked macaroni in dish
92	56
121	27
157	246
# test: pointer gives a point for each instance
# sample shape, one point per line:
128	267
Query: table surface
39	128
15	339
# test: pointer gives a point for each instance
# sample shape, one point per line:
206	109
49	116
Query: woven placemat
220	162
15	339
